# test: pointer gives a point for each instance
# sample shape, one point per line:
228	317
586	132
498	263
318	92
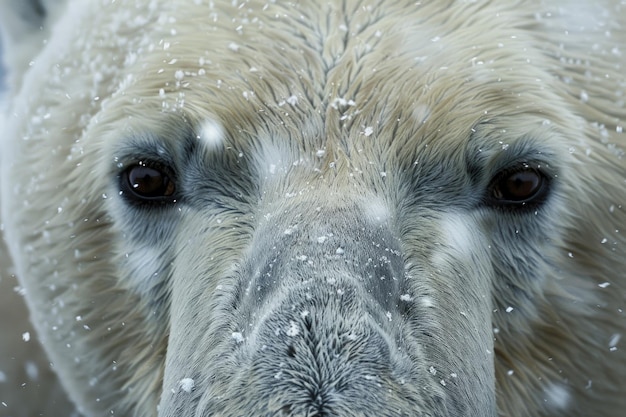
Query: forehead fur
374	79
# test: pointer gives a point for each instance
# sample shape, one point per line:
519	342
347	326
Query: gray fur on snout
319	322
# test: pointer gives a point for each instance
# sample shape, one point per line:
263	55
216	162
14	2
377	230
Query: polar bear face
278	209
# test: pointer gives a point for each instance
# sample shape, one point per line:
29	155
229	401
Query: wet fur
516	303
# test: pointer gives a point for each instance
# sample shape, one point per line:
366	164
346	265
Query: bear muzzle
319	323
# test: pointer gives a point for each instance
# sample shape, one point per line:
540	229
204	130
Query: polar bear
338	208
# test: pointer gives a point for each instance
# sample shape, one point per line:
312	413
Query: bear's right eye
148	183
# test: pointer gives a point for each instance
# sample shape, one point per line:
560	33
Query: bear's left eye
147	183
520	186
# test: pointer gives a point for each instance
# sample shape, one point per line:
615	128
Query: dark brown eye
518	187
146	183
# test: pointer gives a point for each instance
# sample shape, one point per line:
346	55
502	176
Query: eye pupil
522	185
149	183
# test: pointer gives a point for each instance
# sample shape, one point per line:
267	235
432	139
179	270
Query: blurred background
1	69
